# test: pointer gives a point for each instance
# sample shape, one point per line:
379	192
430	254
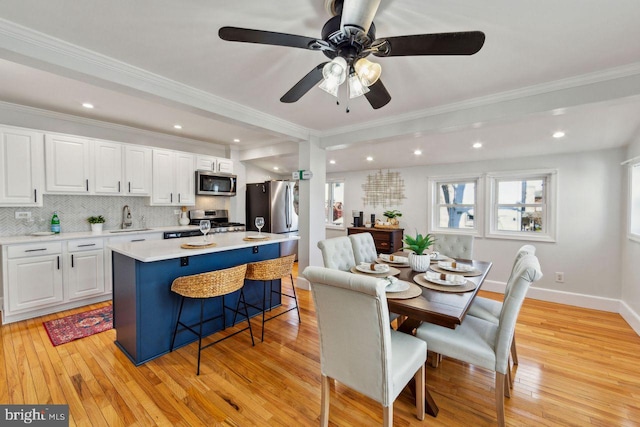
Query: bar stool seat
211	285
268	271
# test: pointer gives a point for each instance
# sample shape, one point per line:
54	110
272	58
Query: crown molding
34	48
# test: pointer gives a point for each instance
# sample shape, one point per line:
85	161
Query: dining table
444	308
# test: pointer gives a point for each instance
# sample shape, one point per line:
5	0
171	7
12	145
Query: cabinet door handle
118	186
36	250
71	260
86	245
87	184
58	262
129	186
178	197
35	195
171	199
139	240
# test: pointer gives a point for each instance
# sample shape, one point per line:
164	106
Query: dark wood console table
387	240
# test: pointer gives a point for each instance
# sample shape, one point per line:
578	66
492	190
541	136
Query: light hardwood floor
577	367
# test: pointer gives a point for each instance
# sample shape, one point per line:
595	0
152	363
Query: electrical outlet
23	215
559	277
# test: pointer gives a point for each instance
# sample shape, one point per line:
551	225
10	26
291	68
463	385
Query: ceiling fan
347	39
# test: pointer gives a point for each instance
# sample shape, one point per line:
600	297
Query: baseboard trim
630	316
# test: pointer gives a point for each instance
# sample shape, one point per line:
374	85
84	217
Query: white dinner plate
256	236
386	259
439	257
460	268
198	243
444	282
398	286
367	269
43	233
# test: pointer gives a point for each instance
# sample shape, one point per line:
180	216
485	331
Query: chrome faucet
127	221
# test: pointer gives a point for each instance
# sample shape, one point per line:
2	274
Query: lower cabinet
84	269
387	240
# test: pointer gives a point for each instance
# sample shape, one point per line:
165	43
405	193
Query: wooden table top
441	308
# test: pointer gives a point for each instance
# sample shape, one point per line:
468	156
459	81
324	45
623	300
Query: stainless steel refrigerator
276	202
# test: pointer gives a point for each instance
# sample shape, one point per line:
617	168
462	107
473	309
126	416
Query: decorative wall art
384	189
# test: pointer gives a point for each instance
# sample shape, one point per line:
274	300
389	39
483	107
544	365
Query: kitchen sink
130	230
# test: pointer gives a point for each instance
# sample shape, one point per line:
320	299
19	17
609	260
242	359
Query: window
334	203
634	201
454	204
523	205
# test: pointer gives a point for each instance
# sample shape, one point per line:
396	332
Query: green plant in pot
392	216
96	223
418	259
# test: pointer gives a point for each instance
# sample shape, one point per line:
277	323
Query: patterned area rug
79	325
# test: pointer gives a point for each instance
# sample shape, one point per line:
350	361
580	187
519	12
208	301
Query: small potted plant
392	216
96	223
418	259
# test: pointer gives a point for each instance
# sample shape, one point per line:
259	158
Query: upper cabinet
21	167
214	164
173	180
137	170
68	161
108	171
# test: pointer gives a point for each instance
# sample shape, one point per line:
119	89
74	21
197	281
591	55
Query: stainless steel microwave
215	183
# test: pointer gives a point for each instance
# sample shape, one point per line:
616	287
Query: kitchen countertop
159	250
9	240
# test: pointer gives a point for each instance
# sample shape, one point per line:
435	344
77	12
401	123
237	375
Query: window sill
335	227
523	237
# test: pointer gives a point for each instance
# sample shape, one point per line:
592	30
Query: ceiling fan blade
304	85
235	34
461	43
378	95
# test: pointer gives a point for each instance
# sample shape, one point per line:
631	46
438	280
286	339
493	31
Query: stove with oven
219	223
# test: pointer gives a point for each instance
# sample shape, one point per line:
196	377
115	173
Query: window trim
551	202
330	225
432	204
632	165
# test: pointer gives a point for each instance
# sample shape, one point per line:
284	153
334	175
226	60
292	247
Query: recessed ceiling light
87	105
558	134
369	159
477	144
417	152
177	126
275	168
333	162
236	140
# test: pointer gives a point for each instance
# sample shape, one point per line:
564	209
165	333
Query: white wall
630	257
587	249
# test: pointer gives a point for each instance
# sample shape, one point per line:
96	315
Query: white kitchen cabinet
68	164
84	268
33	277
173	180
108	171
21	167
137	170
225	166
206	163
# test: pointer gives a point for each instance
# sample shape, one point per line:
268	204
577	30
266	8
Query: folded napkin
374	267
452	278
391	280
454	265
394	258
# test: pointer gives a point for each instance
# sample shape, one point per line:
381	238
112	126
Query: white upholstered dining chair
364	248
454	245
337	253
489	309
486	344
357	347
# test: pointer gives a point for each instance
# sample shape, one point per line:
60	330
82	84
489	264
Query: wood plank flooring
577	367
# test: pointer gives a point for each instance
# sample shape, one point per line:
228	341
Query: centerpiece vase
419	263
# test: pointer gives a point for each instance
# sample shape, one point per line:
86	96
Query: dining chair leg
507	384
324	405
387	415
514	352
500	380
420	387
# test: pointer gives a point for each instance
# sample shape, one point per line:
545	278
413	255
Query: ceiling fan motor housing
351	44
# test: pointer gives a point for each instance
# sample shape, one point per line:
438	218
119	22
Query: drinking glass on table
205	226
259	223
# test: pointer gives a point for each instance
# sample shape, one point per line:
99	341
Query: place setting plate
197	244
444	282
455	267
365	268
397	261
255	237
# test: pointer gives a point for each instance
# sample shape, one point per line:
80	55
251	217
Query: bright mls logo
39	415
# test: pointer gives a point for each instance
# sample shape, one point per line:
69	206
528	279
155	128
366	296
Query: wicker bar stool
211	285
268	271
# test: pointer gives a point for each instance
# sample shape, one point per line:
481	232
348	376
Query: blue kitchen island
144	307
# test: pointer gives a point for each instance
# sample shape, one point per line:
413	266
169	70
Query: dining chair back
337	253
454	245
364	248
486	344
357	347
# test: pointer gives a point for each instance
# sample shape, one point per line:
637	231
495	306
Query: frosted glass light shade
335	70
369	72
356	88
330	86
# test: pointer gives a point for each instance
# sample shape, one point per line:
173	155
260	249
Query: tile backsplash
73	212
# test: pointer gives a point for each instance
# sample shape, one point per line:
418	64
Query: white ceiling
546	65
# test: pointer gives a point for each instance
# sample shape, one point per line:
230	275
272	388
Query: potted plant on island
96	223
418	260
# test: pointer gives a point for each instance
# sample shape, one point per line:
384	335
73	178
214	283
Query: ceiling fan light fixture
369	72
330	86
356	88
335	70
